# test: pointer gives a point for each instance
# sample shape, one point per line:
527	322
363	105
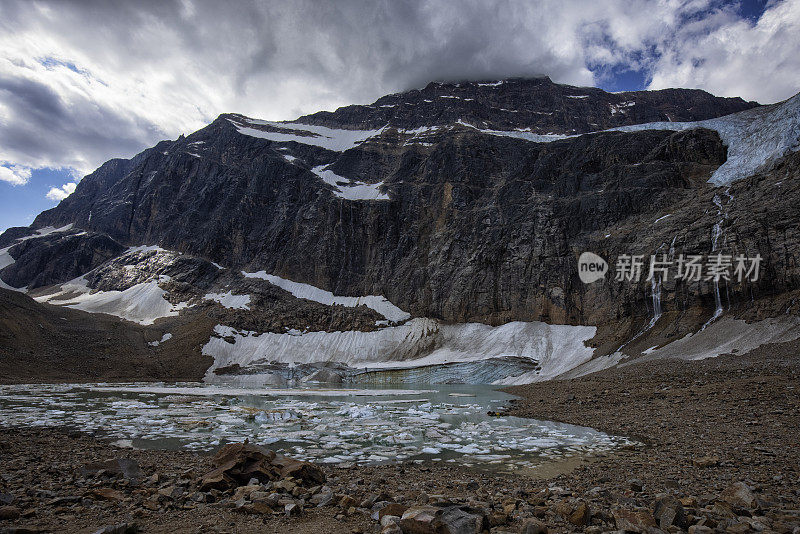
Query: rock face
462	202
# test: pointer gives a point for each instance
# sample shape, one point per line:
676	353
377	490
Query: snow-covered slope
142	303
329	138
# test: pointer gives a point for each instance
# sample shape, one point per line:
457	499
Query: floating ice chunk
357	411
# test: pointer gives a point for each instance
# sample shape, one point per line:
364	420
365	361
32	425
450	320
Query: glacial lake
337	426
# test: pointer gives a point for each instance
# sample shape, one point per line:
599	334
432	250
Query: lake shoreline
721	455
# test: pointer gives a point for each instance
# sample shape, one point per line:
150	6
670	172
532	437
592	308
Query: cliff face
460	202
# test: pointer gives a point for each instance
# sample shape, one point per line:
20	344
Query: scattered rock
125	467
107	494
532	526
738	494
669	511
122	528
639	520
706	461
238	463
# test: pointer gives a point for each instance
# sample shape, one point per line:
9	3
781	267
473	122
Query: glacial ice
419	342
754	137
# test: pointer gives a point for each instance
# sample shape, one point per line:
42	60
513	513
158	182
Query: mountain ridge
456	221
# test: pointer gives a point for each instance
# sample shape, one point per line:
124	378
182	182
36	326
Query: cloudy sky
84	81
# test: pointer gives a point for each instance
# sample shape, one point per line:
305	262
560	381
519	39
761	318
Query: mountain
434	235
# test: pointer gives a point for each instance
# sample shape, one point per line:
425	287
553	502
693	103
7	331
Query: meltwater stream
359	426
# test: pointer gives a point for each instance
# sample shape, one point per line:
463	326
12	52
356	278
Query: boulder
238	463
442	520
639	520
9	513
106	494
124	467
669	511
738	494
576	512
122	528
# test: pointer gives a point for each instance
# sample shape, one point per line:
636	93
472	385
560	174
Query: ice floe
306	291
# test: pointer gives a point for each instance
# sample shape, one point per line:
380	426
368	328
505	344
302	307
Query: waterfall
655	290
716	233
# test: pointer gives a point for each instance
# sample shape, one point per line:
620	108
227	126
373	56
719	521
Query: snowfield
329	138
142	303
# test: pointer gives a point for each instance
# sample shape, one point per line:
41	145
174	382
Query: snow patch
306	291
350	190
333	139
165	337
230	301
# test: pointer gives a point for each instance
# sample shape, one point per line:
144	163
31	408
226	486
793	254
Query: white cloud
729	56
82	82
15	174
60	193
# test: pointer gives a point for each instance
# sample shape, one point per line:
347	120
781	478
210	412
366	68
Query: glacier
420	342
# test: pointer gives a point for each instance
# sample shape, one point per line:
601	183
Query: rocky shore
720	454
